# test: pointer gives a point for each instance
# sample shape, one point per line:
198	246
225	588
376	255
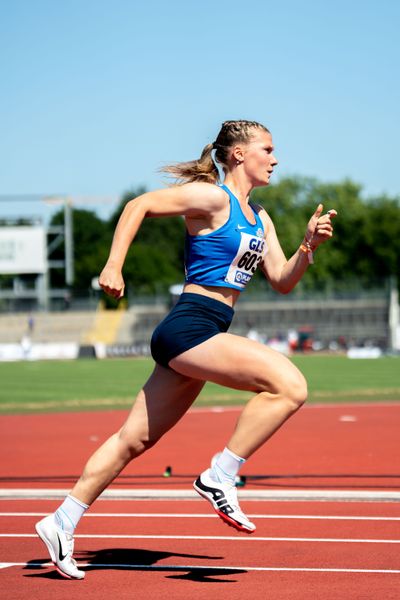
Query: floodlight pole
68	242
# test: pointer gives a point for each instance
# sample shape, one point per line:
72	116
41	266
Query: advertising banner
22	250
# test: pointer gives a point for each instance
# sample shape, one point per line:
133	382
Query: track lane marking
207	516
121	536
189	494
202	567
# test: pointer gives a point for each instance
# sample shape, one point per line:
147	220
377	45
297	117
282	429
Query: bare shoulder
205	194
264	216
189	199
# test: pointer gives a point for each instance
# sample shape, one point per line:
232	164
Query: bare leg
159	405
162	402
241	363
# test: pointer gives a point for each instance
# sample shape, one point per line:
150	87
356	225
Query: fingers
324	227
112	283
319	210
327	217
112	291
324	230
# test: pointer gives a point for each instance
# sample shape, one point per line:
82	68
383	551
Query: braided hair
204	168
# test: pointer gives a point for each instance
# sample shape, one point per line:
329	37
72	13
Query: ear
238	153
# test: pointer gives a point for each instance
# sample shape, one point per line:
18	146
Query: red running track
299	551
179	549
351	447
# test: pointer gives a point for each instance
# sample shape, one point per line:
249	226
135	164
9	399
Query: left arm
284	274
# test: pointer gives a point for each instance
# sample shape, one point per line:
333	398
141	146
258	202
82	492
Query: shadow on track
136	559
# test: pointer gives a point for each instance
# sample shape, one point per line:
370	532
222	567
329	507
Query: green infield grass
48	386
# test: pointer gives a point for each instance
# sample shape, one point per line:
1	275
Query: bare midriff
226	295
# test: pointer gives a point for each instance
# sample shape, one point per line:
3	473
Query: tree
365	247
366	243
156	259
91	242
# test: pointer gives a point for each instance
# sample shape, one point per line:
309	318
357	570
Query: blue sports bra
229	256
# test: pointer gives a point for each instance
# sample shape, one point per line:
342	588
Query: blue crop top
229	256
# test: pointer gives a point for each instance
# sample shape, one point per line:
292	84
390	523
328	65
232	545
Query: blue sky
97	95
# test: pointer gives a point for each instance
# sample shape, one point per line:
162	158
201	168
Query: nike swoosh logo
61	556
241	226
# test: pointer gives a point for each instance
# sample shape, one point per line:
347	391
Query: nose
274	161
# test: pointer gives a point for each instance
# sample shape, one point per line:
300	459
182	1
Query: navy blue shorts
193	320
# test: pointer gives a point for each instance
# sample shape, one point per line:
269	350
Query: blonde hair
204	168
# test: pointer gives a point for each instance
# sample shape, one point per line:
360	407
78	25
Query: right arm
190	200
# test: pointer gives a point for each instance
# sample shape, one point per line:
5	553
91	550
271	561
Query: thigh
239	363
164	399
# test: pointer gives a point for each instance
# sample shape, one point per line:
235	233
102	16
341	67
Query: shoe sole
228	520
49	547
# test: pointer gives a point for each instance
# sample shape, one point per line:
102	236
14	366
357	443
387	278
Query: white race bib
249	255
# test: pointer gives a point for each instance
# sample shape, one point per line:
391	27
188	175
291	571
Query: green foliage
382	235
155	260
365	246
92	239
366	241
153	263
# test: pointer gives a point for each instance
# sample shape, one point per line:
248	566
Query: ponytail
202	169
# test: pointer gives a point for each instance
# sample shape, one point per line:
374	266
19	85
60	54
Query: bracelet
307	249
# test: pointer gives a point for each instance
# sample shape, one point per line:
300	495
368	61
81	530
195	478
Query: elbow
280	283
129	206
282	287
285	290
137	205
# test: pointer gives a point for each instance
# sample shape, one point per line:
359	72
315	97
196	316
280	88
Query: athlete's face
257	158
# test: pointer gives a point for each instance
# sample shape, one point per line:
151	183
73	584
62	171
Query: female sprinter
228	237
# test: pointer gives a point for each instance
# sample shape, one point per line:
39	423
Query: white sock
227	467
67	515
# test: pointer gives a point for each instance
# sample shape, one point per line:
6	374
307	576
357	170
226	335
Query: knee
134	444
290	389
295	390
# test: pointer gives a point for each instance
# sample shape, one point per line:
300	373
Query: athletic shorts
193	320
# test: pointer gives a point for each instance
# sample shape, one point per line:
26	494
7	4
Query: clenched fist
112	282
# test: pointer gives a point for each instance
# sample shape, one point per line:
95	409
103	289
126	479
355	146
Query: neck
238	186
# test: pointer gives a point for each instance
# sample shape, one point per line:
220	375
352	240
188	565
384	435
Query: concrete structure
353	321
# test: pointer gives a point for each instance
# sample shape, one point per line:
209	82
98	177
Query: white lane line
214	570
206	516
212	537
187	494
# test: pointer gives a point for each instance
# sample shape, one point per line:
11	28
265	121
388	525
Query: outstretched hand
112	282
319	228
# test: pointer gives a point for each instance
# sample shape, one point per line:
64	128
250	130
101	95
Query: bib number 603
249	261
